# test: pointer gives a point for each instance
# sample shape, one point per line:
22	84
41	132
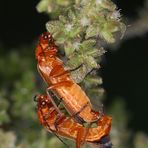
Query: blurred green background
124	72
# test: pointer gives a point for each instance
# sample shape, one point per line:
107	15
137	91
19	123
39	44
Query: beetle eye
49	36
45	37
43	103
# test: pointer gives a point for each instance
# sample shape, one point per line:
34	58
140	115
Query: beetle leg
59	120
60	84
53	102
81	135
55	133
74	69
58	70
54	96
67	71
60	100
77	117
56	85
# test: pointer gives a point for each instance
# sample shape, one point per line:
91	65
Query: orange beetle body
58	79
67	127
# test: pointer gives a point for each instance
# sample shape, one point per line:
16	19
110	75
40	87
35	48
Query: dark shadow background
125	72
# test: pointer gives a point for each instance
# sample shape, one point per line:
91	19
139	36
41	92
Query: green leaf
79	74
42	6
89	60
74	61
123	29
69	51
108	36
63	2
4	118
71	15
54	26
108	4
87	44
72	31
95	52
93	80
91	31
62	19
